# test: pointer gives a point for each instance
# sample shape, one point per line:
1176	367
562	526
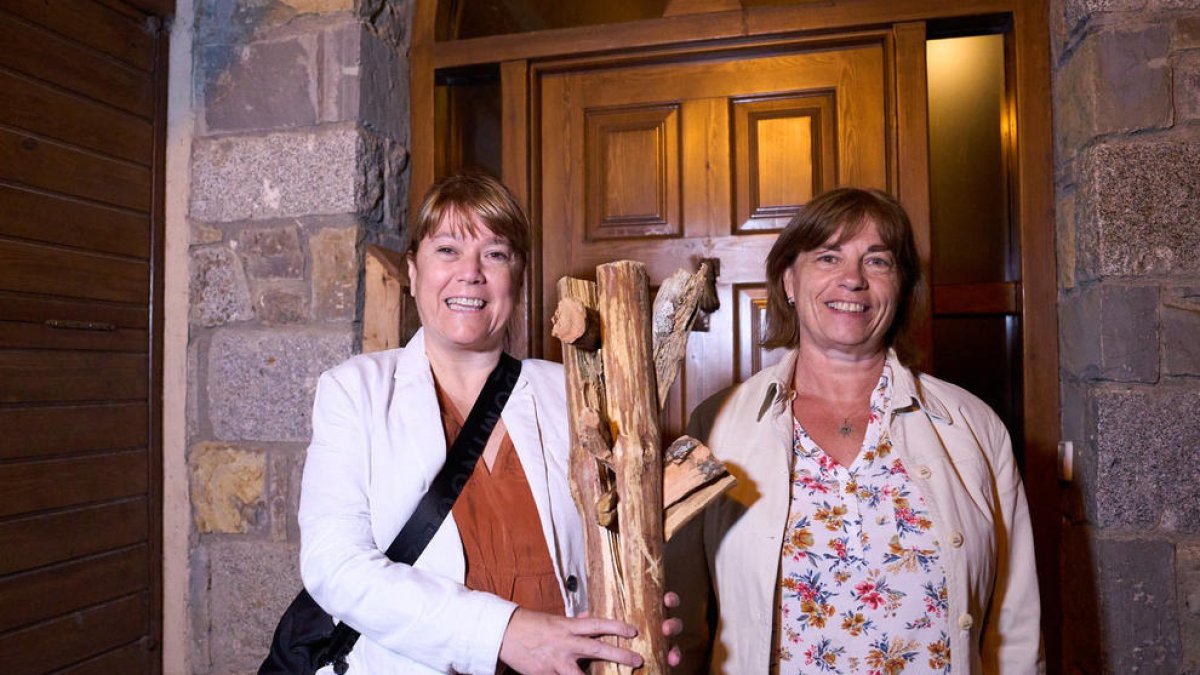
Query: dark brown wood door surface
81	117
672	163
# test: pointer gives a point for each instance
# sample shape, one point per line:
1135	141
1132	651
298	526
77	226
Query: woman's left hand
671	627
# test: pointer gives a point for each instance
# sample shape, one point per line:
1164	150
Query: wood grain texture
91	24
44	594
385	297
591	473
43	432
57	219
43	376
31	486
77	532
46	165
45	55
623	294
51	270
68	639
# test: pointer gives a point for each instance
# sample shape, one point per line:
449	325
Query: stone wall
1127	132
298	161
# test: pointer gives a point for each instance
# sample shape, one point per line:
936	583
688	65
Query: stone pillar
1126	106
298	161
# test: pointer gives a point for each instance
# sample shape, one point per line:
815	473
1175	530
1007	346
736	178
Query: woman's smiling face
465	284
845	293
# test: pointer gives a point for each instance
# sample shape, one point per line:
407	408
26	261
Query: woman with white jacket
501	584
879	525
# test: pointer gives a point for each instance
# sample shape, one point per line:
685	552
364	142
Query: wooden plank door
80	224
670	163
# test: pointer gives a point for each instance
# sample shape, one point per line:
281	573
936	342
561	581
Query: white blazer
377	444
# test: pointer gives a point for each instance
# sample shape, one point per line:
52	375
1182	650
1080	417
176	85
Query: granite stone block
261	381
1110	332
281	301
228	485
335	264
1117	80
265	85
276	175
286	466
251	583
1137	597
1181	331
1140	204
1187	33
341	72
1187	86
219	292
271	252
1187	578
1147	458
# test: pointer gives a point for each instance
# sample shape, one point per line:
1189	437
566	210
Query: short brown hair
457	197
842	212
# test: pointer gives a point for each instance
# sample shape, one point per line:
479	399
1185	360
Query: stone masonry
1127	152
298	161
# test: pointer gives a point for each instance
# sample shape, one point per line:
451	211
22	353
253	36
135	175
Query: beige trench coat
957	451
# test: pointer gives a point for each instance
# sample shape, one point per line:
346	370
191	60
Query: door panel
82	133
673	162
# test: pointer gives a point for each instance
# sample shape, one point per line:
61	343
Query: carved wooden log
592	480
614	390
632	404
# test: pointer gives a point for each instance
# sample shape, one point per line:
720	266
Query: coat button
924	472
956	539
572	584
966	621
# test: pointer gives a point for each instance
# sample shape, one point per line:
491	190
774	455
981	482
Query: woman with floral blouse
879	525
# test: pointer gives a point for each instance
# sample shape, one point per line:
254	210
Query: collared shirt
862	587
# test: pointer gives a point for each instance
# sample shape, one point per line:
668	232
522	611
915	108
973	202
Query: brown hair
842	213
453	200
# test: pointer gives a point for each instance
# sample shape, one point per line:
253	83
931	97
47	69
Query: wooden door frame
1032	179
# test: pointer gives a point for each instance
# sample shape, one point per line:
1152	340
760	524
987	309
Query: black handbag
306	638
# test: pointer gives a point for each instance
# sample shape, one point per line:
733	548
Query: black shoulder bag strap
437	502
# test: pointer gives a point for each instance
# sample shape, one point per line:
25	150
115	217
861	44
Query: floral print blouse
862	589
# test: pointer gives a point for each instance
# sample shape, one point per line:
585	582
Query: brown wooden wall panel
34	377
632	173
56	219
72	335
39	53
49	111
984	298
785	152
750	319
131	658
34	268
58	430
94	25
59	168
46	593
75	637
17	307
58	483
76	533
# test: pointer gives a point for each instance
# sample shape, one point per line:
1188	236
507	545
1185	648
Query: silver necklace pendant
845	429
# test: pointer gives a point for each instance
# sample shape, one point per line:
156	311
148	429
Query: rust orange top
501	533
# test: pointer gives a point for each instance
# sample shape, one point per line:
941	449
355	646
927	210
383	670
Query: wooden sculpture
621	357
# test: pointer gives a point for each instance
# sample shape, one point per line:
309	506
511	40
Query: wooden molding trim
387	315
985	298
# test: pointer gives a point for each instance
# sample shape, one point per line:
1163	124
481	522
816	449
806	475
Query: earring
791	302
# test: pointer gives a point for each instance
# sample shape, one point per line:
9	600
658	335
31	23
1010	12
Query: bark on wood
592	480
575	324
674	313
692	477
632	403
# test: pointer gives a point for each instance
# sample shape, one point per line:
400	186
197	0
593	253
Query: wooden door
80	237
670	163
